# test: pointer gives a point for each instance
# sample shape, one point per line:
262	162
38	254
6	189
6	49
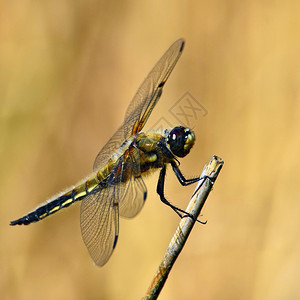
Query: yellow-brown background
68	71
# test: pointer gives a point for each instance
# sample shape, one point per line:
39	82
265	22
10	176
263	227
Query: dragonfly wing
111	147
134	193
142	103
124	193
150	90
99	221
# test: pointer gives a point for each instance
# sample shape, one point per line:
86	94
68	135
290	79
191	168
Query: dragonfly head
180	141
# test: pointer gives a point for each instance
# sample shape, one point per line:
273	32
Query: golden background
68	71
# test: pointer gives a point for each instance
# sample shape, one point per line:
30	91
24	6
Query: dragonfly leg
160	190
185	181
181	177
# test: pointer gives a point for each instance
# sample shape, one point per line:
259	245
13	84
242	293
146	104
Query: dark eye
181	141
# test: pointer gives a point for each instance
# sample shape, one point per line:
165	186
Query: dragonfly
116	186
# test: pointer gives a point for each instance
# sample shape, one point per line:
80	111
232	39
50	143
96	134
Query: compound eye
181	141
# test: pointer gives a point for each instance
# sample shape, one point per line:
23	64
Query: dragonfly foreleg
160	190
181	177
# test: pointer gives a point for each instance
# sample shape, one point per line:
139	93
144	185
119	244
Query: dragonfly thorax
180	140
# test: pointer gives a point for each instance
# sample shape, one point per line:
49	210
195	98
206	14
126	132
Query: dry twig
209	175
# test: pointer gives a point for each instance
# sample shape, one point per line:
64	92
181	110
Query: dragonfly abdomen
47	209
62	201
90	185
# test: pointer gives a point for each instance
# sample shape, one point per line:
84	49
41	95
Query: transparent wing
150	90
134	193
142	103
99	217
99	221
109	149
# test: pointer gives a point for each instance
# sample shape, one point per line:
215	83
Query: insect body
116	186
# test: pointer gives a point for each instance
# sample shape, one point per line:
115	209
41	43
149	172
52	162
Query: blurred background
68	72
